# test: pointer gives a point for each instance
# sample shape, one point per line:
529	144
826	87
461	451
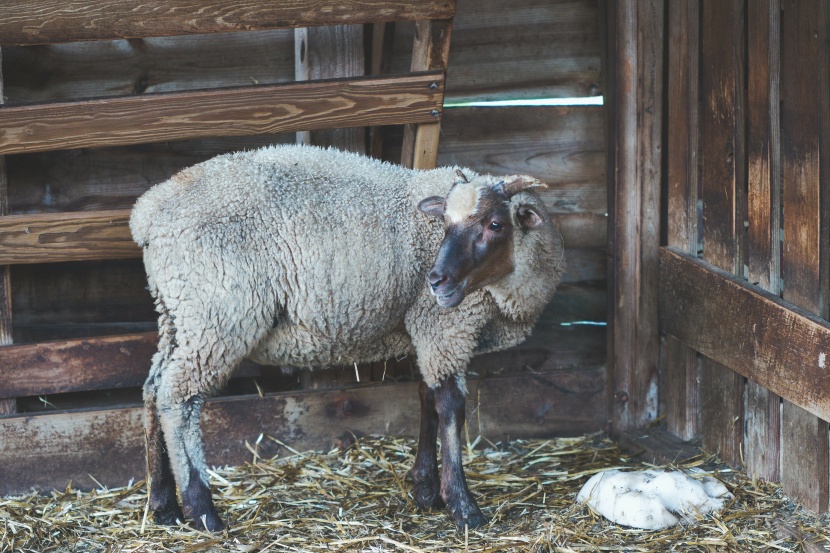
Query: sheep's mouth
449	298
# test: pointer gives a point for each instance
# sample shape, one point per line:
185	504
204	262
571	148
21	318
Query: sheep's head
486	221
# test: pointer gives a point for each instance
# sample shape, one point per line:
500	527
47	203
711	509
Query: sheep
304	257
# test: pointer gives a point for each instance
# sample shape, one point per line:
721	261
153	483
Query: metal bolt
621	397
435	113
433	86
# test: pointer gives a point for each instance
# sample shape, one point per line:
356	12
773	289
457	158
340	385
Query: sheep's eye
495	226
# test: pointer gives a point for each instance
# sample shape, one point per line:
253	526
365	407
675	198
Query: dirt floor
358	500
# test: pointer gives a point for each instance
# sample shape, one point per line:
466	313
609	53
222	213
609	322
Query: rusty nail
435	113
621	397
433	86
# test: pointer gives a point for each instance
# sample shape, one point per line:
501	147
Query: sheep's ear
460	178
529	217
514	184
434	205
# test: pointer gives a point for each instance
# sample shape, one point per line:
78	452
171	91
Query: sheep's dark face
478	245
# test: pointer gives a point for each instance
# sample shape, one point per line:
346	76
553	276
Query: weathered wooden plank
636	208
331	53
39	22
47	451
382	44
430	51
762	429
679	365
561	146
230	112
80	70
722	176
657	446
805	268
52	237
7	403
522	50
764	338
76	365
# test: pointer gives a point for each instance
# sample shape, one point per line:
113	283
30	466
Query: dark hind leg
162	485
424	473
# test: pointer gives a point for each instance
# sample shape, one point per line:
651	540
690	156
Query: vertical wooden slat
722	189
430	52
762	424
383	39
329	53
805	157
6	405
679	363
636	203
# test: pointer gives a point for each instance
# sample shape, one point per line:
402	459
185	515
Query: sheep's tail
141	222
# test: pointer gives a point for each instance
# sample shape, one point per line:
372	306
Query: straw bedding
356	500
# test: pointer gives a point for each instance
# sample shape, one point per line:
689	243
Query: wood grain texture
382	44
805	268
47	451
561	146
231	112
42	22
521	50
76	365
52	237
760	336
636	207
7	404
84	70
762	428
722	175
430	51
331	53
680	368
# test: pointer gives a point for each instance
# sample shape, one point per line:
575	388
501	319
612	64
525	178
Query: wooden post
328	53
762	426
383	37
6	405
805	267
430	51
634	213
680	368
722	191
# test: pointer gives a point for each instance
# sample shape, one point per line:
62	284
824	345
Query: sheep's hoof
427	495
168	517
210	522
472	518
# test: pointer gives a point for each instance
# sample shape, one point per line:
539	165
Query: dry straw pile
357	500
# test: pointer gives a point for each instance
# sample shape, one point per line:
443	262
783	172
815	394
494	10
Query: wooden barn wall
515	50
745	280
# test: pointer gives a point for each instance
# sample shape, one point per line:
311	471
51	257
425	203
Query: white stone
650	499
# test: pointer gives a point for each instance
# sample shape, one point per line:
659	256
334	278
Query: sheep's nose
436	279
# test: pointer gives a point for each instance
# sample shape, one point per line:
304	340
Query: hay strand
358	500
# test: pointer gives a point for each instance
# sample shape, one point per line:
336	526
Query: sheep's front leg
450	401
424	473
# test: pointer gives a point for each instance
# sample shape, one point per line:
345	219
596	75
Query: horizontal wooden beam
414	98
74	236
772	342
76	365
49	450
26	22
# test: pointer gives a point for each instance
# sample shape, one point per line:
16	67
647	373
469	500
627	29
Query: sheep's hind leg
450	402
424	473
180	417
161	483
